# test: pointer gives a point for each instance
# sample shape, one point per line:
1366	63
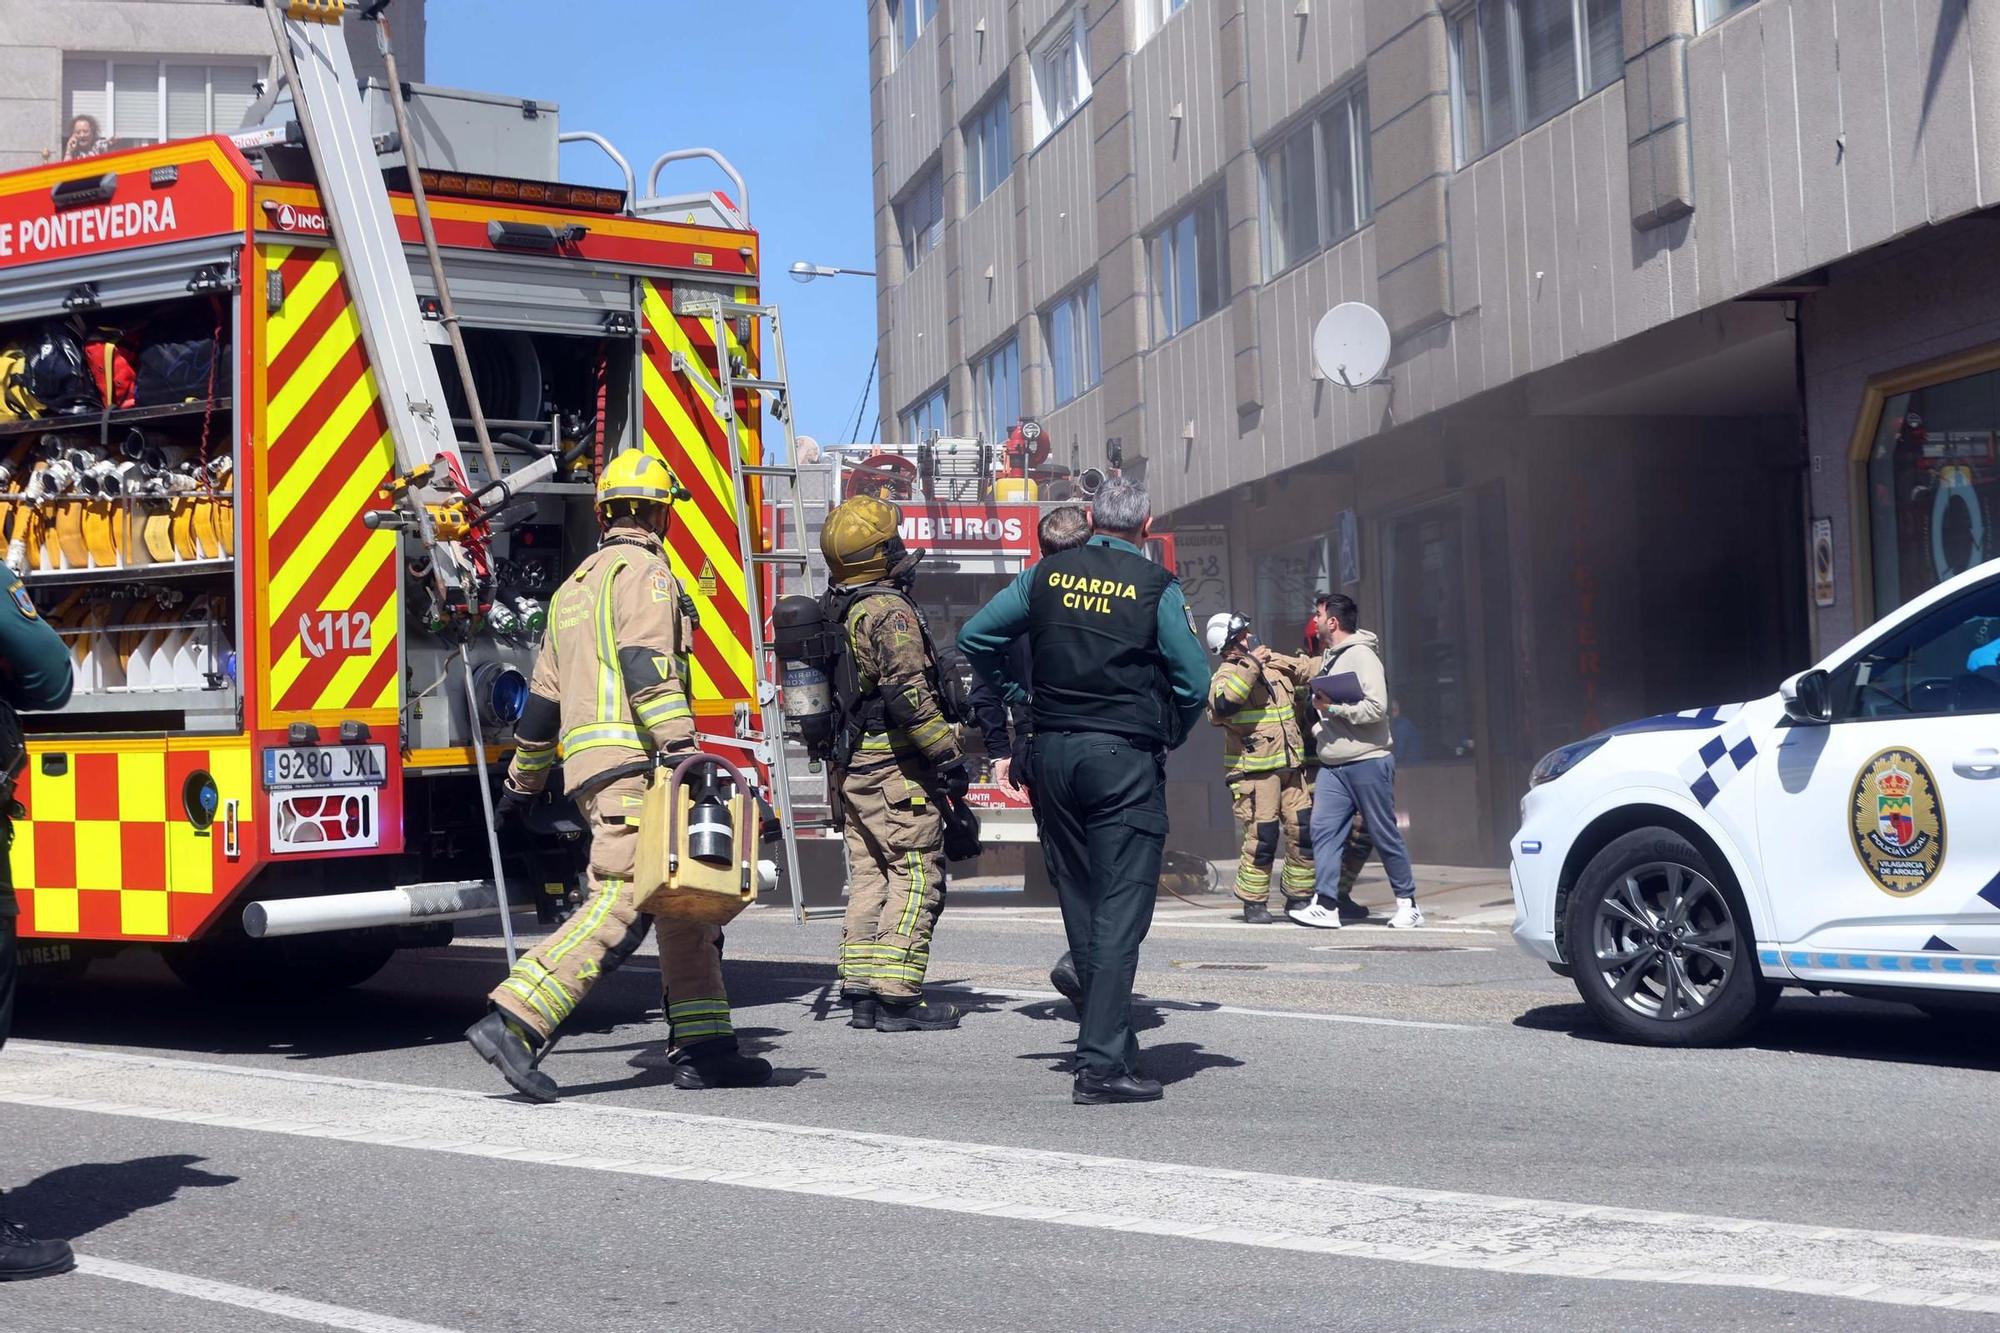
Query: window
929	415
1934	485
1423	565
141	99
1714	11
1316	188
1190	267
1288	579
1073	341
920	218
1153	16
1060	72
1945	661
996	388
911	17
989	147
1515	63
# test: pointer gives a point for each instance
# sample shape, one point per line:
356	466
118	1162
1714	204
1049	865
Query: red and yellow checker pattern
107	852
682	426
327	612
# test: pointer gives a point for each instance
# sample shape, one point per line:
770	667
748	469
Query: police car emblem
1897	822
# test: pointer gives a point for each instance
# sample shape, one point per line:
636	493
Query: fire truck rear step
450	900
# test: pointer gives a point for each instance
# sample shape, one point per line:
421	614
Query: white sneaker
1407	916
1316	914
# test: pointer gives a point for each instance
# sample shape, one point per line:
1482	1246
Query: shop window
1073	342
1516	63
1288	579
989	147
1316	188
1424	633
996	379
1933	485
928	416
920	218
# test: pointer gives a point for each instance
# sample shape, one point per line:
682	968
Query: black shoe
1257	914
507	1047
1064	978
698	1069
861	1008
23	1257
1104	1089
1349	909
916	1015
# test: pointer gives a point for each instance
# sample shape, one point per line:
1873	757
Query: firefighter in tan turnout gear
1253	698
895	762
609	696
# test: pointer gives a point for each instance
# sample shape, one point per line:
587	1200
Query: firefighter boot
861	1008
915	1014
717	1063
1257	914
510	1048
23	1257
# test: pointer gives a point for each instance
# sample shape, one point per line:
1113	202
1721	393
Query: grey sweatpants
1367	785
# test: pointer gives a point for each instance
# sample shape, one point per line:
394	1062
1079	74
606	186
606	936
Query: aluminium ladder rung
761	386
769	470
777	558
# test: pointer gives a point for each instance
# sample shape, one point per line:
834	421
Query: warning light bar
506	189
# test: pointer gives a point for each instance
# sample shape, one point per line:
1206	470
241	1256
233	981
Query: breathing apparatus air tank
806	645
710	835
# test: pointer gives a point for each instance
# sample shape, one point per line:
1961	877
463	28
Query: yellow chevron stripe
733	651
713	475
342	510
300	302
340	690
376	552
310	469
727	564
287	402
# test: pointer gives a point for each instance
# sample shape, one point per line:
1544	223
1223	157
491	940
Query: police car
1842	834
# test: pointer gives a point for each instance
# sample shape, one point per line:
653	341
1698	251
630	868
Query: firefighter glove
956	779
512	805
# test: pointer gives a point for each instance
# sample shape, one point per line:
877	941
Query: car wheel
1660	943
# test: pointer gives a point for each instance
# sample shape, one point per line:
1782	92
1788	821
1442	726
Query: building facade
1695	359
147	70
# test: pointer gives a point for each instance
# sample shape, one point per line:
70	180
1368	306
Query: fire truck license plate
324	766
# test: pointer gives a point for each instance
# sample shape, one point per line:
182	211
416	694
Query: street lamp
804	272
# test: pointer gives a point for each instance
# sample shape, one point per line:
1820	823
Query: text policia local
86	226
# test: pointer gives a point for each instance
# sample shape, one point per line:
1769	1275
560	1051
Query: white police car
1842	834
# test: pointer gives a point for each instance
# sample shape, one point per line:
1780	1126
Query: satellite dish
1351	344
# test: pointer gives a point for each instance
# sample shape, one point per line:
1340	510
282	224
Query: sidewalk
1466	895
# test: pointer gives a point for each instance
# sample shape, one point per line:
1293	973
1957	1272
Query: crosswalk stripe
249	1298
1424	1227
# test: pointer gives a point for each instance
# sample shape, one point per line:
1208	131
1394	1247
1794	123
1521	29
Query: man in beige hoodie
1357	768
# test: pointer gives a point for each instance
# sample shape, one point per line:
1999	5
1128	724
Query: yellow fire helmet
862	541
638	476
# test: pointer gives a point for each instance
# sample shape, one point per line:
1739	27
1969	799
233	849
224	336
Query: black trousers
10	964
1103	806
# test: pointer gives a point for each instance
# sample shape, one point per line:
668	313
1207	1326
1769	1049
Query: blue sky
780	87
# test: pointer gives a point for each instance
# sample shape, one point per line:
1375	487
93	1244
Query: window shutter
233	91
187	101
83	93
135	103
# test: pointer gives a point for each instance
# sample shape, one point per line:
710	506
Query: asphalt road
1362	1130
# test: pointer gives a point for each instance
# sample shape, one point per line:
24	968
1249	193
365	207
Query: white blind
83	92
233	90
135	102
187	101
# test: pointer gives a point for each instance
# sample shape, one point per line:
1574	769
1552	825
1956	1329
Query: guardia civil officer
895	764
1119	679
609	695
34	673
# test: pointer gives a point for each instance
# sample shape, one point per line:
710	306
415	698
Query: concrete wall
35	34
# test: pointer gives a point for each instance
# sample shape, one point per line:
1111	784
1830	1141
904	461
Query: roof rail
586	136
742	200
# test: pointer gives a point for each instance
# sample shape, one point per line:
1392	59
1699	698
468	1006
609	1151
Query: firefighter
896	760
1253	698
609	696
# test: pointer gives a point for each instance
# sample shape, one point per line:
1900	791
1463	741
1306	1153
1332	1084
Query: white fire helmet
1222	627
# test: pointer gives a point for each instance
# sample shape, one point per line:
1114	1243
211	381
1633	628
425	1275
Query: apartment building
1695	356
147	70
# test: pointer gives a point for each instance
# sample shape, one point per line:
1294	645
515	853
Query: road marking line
249	1298
1435	1228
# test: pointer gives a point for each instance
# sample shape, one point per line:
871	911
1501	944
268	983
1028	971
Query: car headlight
1560	761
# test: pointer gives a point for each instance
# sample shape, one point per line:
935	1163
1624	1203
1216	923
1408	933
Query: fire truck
975	507
301	614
